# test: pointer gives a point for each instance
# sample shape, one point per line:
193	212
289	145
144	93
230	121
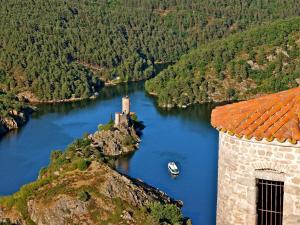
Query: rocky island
120	136
80	185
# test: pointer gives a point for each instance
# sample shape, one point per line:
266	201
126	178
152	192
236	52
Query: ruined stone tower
122	118
126	105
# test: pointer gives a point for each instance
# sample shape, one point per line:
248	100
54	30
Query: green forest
263	59
58	49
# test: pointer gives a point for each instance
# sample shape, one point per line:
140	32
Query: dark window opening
269	202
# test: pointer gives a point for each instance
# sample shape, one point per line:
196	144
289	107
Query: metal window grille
269	202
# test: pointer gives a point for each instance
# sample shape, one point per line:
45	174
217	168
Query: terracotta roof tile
271	116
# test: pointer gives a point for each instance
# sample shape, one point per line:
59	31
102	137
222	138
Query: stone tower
259	160
126	105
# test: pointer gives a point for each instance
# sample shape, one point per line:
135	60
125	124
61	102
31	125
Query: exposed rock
271	58
119	140
281	51
127	215
28	96
57	203
134	191
14	120
254	65
63	208
10	123
11	216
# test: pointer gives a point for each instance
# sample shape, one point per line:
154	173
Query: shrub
189	222
85	135
58	158
84	196
231	93
55	155
43	171
7	223
166	213
106	127
136	123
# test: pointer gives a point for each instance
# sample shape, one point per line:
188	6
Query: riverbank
29	97
13	113
14	121
220	101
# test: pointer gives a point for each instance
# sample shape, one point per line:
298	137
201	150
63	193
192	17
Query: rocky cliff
98	195
116	141
14	119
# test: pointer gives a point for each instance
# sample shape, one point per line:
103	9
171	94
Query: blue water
181	135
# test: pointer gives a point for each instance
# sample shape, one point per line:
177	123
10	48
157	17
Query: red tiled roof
271	116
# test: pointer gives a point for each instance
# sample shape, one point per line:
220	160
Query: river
181	135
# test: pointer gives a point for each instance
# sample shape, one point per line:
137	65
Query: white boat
173	168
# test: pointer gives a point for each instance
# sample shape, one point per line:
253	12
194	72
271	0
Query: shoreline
173	105
106	85
14	122
77	169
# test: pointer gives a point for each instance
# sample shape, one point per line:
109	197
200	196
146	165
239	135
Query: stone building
259	160
123	117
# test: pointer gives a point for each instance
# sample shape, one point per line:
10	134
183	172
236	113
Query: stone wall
241	162
126	105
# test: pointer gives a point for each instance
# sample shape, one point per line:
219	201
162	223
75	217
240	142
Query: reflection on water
181	135
123	163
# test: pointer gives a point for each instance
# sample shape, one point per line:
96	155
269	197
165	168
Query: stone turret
126	105
123	117
258	166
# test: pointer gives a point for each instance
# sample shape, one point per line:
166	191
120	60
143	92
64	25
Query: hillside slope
80	187
98	195
261	60
55	49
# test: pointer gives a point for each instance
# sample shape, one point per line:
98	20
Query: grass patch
81	164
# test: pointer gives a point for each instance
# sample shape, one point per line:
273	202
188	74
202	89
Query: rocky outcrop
116	141
11	217
111	194
14	120
131	190
63	209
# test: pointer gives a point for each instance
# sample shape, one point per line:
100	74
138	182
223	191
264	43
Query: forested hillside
260	60
55	49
